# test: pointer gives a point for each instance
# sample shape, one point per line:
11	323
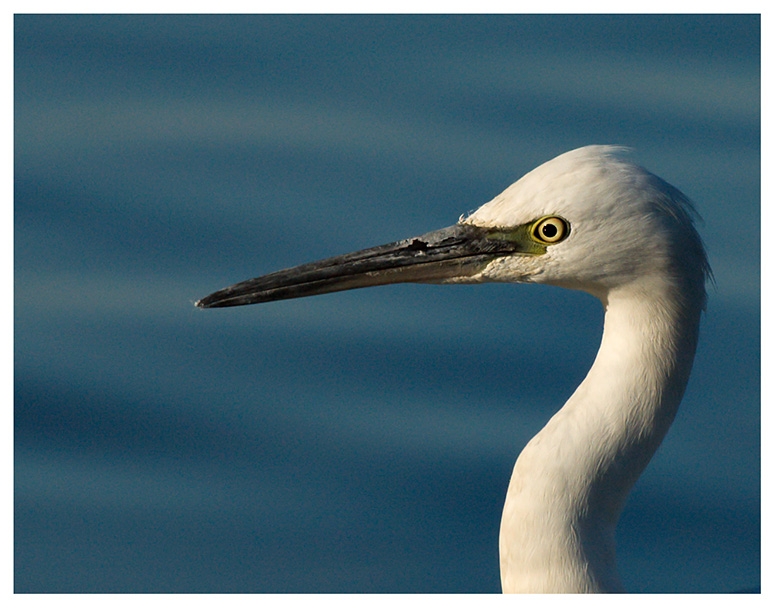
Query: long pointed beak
446	255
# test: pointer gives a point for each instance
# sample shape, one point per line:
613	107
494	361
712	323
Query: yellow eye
550	230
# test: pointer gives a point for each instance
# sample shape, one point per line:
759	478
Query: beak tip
219	299
203	303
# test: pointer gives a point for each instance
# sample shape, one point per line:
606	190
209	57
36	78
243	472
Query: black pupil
549	231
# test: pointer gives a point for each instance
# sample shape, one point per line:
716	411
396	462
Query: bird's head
588	220
597	222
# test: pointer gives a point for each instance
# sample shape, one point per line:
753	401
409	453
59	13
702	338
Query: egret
588	220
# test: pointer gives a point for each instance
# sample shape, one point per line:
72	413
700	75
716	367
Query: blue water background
360	441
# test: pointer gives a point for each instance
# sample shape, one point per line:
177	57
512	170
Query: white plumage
588	220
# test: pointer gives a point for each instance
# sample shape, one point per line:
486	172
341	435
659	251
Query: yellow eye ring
550	230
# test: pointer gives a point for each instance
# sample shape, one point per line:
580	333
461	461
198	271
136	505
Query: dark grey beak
456	252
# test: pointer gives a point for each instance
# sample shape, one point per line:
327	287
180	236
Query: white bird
588	220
